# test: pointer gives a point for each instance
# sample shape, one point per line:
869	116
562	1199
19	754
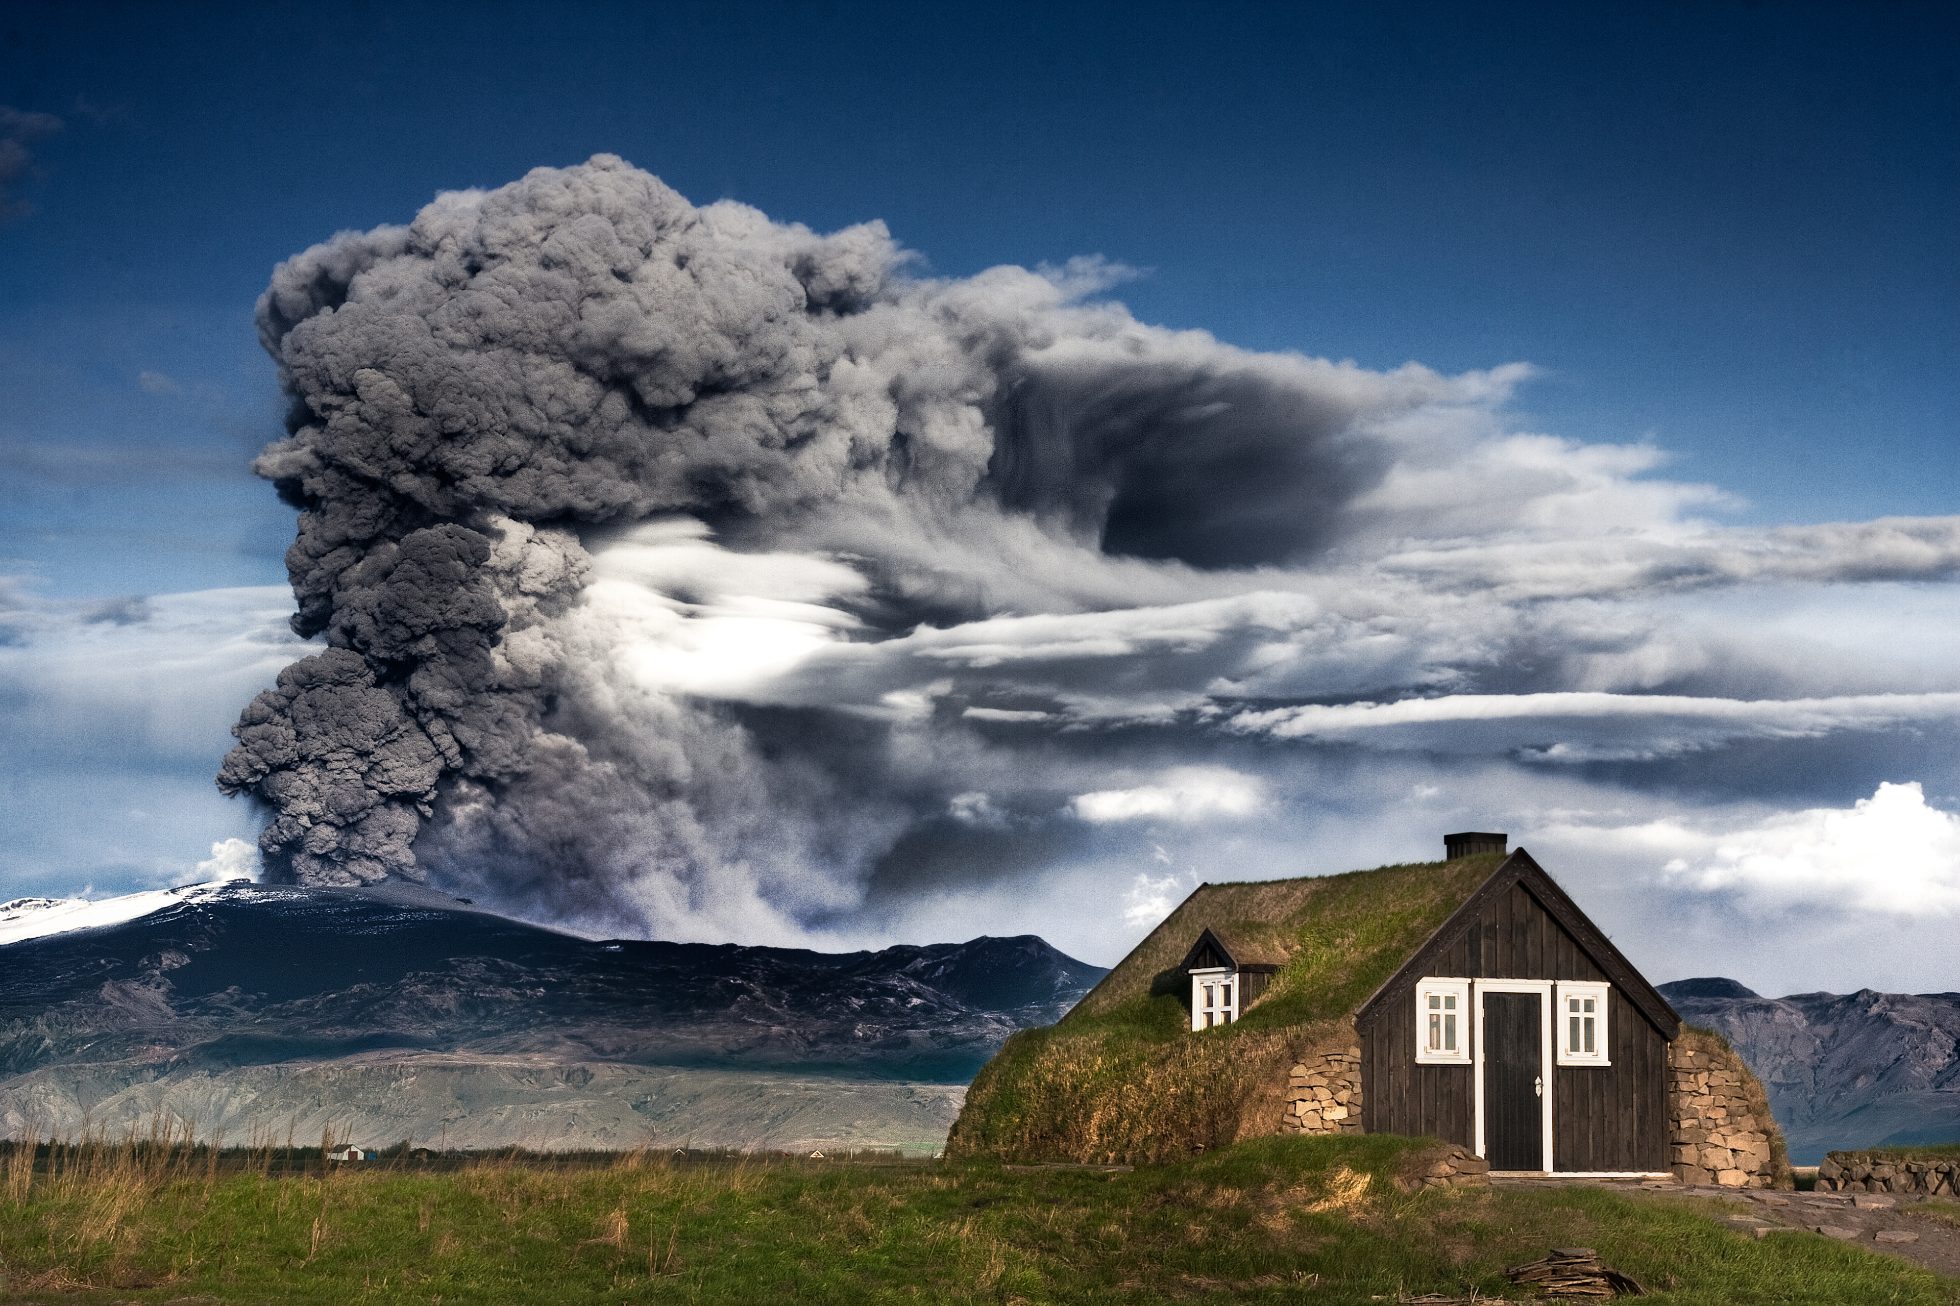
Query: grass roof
1123	1078
1341	937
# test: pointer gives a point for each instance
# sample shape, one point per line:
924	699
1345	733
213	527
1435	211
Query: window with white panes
1214	997
1443	1022
1582	1024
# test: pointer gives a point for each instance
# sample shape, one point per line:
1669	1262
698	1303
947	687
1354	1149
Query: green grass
1122	1078
1278	1220
1936	1208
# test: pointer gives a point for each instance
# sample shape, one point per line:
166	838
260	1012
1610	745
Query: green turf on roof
1123	1078
1341	935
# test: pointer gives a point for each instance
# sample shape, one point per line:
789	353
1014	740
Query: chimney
1471	843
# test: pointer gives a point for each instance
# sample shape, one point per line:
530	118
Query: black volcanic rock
245	976
1842	1070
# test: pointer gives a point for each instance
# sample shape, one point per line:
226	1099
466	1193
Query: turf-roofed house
1468	1000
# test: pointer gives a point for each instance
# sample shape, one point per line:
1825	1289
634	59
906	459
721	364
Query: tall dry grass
101	1180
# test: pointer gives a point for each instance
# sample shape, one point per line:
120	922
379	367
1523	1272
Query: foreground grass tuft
1269	1221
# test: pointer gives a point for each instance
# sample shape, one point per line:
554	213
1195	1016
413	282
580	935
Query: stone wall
1448	1166
1863	1172
1723	1133
1323	1091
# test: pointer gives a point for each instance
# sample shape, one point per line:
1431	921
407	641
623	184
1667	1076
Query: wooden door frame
1546	1062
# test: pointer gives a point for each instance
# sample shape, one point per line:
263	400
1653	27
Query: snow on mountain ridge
34	918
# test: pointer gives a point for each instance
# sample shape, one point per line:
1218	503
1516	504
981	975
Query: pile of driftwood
1574	1272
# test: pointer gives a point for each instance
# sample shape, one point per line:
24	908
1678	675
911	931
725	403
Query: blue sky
1725	228
1722	230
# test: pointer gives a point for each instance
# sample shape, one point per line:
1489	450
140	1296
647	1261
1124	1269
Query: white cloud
1184	794
114	717
1127	632
162	676
1603	558
1007	715
684	615
1150	898
1893	853
1587	725
230	859
976	809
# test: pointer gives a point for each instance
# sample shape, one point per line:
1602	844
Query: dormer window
1214	997
1224	980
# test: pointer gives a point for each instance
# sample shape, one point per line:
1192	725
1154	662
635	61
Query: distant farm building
1469	1000
349	1153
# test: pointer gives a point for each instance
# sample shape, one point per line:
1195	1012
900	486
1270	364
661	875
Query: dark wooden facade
1521	926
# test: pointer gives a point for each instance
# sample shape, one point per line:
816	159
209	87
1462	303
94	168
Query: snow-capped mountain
33	918
395	1012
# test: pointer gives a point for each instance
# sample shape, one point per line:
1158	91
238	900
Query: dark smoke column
579	347
583	360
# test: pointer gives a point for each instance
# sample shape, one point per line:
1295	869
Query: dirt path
1910	1228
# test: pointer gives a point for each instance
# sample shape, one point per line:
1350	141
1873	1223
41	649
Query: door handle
1538	1085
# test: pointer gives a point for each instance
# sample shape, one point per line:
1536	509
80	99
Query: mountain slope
398	1013
1842	1070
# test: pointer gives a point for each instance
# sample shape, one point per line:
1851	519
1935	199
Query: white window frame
1570	991
1224	1013
1442	988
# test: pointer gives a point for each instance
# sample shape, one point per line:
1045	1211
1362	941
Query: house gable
1211	949
1521	874
1208	952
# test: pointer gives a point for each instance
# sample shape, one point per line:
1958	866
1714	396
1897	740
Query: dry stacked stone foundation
1323	1092
1723	1133
1862	1172
1449	1167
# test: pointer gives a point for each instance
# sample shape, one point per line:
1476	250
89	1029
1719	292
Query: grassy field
1268	1221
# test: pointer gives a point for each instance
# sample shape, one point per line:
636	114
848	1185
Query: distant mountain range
1842	1070
393	1012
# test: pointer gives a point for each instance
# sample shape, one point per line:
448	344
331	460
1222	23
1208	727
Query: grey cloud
129	610
685	571
585	347
19	129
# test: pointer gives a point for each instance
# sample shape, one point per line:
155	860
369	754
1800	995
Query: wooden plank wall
1604	1117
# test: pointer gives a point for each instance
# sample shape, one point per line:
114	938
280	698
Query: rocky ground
1921	1230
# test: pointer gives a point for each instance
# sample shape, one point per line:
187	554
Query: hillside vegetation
1280	1220
1122	1078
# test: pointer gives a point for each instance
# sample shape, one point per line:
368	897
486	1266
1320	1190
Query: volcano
391	1012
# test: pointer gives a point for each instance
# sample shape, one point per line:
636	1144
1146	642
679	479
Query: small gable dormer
1224	980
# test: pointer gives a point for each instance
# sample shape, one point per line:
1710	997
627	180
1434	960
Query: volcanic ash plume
580	466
